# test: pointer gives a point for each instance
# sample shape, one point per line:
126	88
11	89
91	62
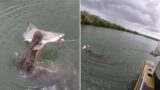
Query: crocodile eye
150	69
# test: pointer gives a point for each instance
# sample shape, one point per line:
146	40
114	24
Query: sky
142	16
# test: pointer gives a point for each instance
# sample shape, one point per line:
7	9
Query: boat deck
146	77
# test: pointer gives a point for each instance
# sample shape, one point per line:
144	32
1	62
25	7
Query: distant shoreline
90	19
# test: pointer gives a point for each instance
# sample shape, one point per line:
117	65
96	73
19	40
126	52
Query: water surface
122	58
52	15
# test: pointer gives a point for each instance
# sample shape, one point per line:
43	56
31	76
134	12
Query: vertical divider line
79	45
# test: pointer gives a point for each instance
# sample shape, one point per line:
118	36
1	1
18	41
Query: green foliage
90	19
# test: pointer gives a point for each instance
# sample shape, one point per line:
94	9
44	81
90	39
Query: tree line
91	19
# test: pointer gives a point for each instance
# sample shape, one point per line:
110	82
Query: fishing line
139	50
72	40
142	51
155	52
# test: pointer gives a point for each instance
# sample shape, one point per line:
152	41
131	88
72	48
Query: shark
48	37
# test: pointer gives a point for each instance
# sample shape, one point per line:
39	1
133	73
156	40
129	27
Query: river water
52	15
121	58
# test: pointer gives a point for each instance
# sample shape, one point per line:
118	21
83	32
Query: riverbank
91	19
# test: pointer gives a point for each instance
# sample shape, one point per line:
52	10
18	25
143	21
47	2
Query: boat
146	79
157	77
